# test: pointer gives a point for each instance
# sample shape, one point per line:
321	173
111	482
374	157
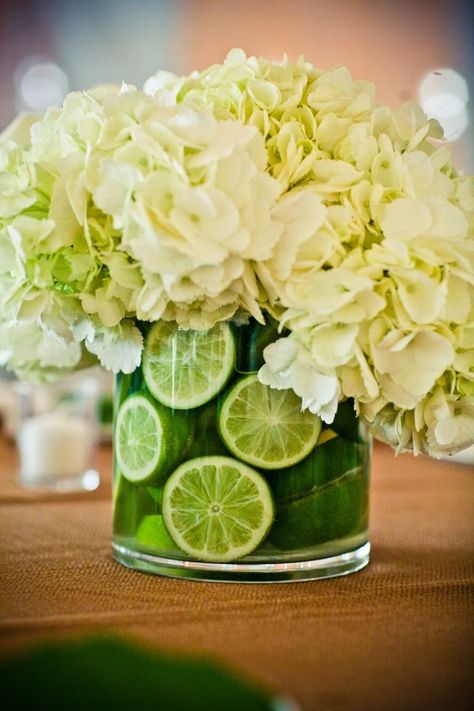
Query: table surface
398	635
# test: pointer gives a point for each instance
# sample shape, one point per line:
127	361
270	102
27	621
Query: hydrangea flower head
252	187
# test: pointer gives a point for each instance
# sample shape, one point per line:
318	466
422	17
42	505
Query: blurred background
412	49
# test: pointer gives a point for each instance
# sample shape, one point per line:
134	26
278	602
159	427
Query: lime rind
265	427
186	369
138	438
217	509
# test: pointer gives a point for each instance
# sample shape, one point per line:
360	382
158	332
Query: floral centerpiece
254	208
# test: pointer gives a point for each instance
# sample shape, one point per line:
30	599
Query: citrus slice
150	440
185	369
217	509
266	427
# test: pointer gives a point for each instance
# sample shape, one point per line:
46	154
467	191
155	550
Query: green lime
153	534
266	427
217	509
131	504
185	369
150	440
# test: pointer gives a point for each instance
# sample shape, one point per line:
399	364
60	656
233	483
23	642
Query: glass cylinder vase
218	477
56	433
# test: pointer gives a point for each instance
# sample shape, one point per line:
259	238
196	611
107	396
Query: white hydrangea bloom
449	423
289	365
118	349
252	186
194	214
380	290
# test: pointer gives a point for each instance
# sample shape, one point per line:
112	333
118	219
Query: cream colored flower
288	365
449	423
388	426
422	297
358	381
17	177
301	213
118	349
359	146
409	364
336	92
333	344
323	293
406	219
253	185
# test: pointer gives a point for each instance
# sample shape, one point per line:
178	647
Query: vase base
284	572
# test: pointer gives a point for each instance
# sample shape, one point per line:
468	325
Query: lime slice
153	534
266	427
150	440
217	509
185	369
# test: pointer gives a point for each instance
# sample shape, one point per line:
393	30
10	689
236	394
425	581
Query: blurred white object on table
57	433
54	447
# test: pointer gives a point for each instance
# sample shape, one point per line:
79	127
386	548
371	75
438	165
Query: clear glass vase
218	477
56	433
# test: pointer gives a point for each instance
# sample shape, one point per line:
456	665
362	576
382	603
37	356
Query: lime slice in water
217	509
185	369
150	439
266	427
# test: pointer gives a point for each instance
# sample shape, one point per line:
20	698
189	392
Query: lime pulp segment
139	440
185	369
217	509
266	427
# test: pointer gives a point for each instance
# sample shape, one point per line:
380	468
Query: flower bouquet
276	267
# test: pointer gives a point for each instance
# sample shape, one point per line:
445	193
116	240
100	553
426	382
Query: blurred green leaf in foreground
108	674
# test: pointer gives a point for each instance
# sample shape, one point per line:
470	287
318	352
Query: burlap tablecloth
398	635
